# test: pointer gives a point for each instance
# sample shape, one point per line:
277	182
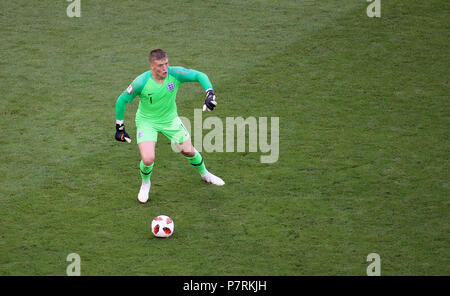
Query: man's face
160	67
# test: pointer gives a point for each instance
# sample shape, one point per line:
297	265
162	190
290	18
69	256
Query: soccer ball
162	226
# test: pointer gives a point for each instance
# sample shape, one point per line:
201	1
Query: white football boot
210	178
143	193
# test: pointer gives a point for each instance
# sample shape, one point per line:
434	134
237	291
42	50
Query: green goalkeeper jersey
157	101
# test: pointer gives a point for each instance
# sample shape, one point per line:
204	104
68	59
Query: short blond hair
157	54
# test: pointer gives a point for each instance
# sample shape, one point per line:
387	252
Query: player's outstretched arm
121	134
127	96
190	75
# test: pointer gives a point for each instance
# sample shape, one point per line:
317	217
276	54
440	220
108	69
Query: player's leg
196	160
193	156
146	139
179	136
147	150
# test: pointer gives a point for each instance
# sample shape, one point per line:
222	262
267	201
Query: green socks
197	163
146	171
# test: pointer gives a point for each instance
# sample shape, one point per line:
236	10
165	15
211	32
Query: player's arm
127	96
190	75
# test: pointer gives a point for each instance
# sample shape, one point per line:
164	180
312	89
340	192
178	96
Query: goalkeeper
157	113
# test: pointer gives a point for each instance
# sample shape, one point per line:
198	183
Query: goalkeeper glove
210	101
121	134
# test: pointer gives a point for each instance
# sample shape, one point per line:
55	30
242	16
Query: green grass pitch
364	111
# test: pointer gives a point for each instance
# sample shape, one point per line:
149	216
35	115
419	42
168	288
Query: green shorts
148	131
